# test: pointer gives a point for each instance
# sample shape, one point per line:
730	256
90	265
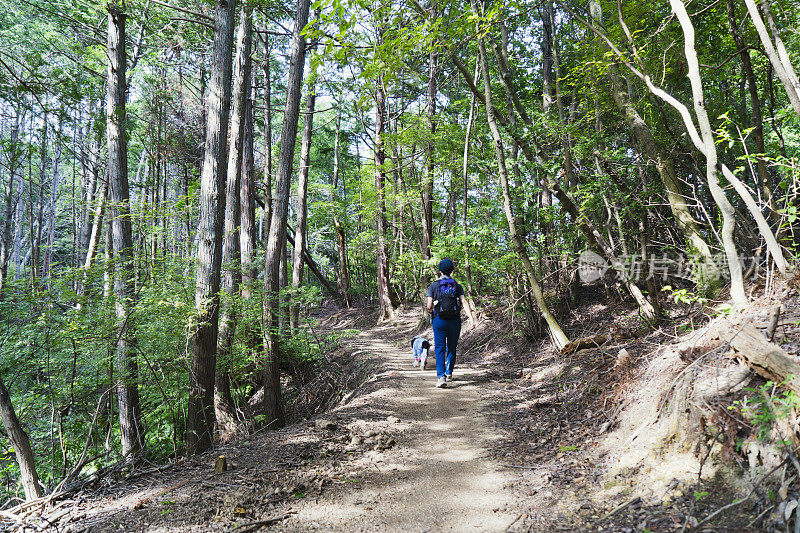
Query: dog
419	350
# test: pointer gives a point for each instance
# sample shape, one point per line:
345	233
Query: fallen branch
11	516
252	526
765	358
620	507
141	503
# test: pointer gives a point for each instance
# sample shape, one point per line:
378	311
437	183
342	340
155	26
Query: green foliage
770	403
684	296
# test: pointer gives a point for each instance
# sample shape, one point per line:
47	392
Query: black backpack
449	306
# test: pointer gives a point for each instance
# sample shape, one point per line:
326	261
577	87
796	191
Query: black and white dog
419	349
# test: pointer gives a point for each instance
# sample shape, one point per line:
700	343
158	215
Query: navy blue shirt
432	289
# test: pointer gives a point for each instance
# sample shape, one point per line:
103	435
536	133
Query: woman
445	301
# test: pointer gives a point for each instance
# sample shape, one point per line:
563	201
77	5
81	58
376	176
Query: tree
21	445
200	421
130	418
276	240
223	400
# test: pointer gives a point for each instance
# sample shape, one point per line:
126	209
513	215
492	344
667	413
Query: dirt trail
397	455
439	475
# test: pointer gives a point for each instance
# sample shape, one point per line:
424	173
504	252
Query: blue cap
446	266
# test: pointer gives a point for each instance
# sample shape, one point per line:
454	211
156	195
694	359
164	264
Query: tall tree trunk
728	217
247	206
21	444
272	406
548	89
776	52
570	180
130	419
556	333
8	215
427	184
386	311
266	216
223	400
666	171
756	118
343	272
301	210
51	207
464	195
36	226
200	420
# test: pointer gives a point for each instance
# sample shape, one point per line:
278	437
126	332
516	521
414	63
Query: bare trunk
427	184
302	201
728	217
762	177
223	400
130	420
343	276
386	309
666	170
464	196
51	207
200	420
21	444
266	216
776	52
8	215
247	203
272	406
556	333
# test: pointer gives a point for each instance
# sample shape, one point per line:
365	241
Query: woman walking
445	301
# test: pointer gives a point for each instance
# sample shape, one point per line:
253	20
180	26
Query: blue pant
445	337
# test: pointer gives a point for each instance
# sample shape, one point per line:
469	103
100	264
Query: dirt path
397	455
438	476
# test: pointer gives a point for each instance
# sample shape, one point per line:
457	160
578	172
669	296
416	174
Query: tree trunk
776	52
343	272
762	176
266	216
386	309
556	333
200	420
728	217
21	444
302	200
666	170
247	203
51	207
130	420
276	243
223	400
427	184
8	215
464	196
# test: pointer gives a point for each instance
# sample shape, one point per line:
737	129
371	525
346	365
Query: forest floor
523	439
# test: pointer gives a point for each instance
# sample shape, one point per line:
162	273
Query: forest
189	187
